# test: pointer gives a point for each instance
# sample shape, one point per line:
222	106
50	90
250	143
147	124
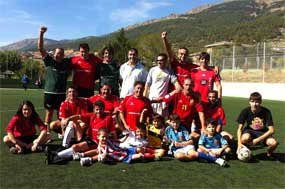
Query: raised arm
167	46
43	52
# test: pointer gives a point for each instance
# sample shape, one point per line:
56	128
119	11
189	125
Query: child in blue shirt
213	144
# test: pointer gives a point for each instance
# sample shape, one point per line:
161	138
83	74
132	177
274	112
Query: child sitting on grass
21	132
213	144
155	132
137	145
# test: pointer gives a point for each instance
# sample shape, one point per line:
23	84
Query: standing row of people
192	99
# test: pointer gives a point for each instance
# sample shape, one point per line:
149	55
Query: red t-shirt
68	109
97	123
85	71
204	81
110	104
182	70
217	113
184	106
20	126
132	107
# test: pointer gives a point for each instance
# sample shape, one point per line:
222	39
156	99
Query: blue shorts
130	152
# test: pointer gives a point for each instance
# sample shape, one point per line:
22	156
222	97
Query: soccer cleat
59	136
53	158
77	156
13	150
86	161
221	162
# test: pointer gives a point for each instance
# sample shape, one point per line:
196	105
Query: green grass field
30	171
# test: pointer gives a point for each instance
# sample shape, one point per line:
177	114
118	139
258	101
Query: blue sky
72	19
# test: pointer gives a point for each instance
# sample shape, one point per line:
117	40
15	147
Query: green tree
10	60
121	46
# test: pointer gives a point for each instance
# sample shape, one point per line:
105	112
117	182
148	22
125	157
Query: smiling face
107	56
72	94
84	53
211	129
102	137
132	56
58	55
187	86
212	97
105	91
140	133
98	110
175	124
254	105
26	111
161	62
182	55
138	90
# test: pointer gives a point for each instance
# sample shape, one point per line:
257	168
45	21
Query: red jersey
184	106
110	104
132	107
68	109
204	81
217	113
182	70
97	123
85	71
22	127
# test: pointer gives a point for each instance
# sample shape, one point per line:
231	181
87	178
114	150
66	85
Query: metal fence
262	62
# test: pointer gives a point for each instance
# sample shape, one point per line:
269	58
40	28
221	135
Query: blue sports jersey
217	141
179	135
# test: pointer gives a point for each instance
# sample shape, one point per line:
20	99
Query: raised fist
164	34
43	29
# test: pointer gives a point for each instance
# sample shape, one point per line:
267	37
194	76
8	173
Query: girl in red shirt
21	132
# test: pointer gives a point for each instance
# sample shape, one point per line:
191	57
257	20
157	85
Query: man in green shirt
57	70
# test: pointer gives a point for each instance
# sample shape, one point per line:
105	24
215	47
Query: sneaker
13	150
221	162
40	148
59	136
77	156
157	157
53	158
86	161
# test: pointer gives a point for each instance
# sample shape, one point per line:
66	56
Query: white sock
68	135
66	154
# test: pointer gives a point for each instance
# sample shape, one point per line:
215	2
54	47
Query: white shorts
185	149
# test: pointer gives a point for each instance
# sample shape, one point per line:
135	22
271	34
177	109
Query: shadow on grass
275	157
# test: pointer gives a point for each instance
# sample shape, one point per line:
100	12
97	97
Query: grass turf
30	171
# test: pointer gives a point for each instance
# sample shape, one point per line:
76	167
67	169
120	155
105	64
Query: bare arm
167	46
146	89
122	117
264	136
202	120
177	86
41	41
219	89
239	133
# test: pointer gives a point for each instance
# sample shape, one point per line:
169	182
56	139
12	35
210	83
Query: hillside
240	21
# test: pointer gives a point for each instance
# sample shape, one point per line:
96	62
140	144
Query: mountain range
244	21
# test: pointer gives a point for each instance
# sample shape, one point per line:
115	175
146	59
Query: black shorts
90	142
255	134
83	92
27	139
53	101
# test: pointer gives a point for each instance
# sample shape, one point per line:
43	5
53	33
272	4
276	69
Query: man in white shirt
130	72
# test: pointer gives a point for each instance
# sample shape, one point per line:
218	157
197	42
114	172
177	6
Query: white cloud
20	16
137	12
4	43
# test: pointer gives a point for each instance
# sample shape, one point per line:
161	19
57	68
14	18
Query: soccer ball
244	154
